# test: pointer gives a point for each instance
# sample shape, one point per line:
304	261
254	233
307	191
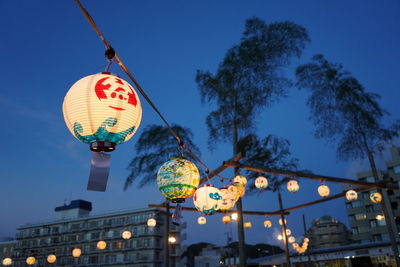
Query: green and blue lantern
207	199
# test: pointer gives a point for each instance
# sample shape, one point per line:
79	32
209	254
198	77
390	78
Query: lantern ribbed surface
178	179
207	199
102	107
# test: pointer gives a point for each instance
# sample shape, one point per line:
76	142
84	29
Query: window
75	226
381	222
356	204
55	229
360	216
370	208
95	235
93	259
372	223
363	229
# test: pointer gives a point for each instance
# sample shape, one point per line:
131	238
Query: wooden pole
285	238
166	251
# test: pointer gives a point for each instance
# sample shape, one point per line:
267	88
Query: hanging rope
142	92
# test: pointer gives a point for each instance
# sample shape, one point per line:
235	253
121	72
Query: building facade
76	229
362	213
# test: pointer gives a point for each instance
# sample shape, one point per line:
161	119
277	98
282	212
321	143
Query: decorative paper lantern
351	195
241	189
172	239
178	179
126	234
102	110
292	239
30	260
234	191
202	220
261	182
207	199
151	222
280	237
267	224
376	197
226	219
293	186
51	258
7	261
228	199
280	221
247	225
234	216
295	246
379	217
76	252
323	190
240	179
306	240
101	245
288	232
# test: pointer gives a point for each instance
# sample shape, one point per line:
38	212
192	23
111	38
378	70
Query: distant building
76	229
362	212
7	249
327	232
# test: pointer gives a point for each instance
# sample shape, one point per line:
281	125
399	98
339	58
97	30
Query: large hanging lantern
30	260
202	220
228	199
207	199
267	224
376	197
226	219
126	234
178	179
323	190
7	261
76	252
293	186
51	258
261	182
101	245
247	225
351	195
102	110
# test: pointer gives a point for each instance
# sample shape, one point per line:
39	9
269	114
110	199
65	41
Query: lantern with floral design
102	110
126	234
178	179
291	239
323	190
376	197
351	195
267	224
261	182
293	186
202	220
240	179
228	199
207	199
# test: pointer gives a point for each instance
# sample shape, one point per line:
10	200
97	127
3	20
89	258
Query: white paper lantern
126	234
291	239
280	237
288	231
351	195
76	252
234	216
102	110
228	199
280	222
247	225
7	261
151	222
226	219
207	199
30	260
261	182
267	224
293	186
51	258
376	197
101	245
240	179
323	190
202	220
172	239
379	217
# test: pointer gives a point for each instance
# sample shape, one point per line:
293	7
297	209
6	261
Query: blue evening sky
48	45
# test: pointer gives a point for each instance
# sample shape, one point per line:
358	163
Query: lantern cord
143	93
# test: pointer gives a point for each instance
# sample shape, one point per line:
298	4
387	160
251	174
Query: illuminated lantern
247	225
288	232
151	222
101	245
51	258
226	219
234	216
280	237
7	261
261	182
292	239
172	239
306	240
76	252
102	110
228	199
207	199
376	197
234	191
280	221
178	179
323	190
293	186
126	234
240	179
295	246
351	195
241	189
379	217
202	220
30	260
267	224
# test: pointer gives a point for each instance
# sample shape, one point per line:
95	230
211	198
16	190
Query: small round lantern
261	182
76	252
178	179
288	232
376	197
267	224
228	199
7	261
30	260
323	190
101	245
295	246
202	220
172	239
280	221
379	217
207	199
240	179
247	225
102	110
126	234
51	258
151	222
226	219
234	216
306	240
351	195
291	239
280	237
293	186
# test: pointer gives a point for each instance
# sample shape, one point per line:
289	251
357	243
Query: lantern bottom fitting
177	200
102	146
